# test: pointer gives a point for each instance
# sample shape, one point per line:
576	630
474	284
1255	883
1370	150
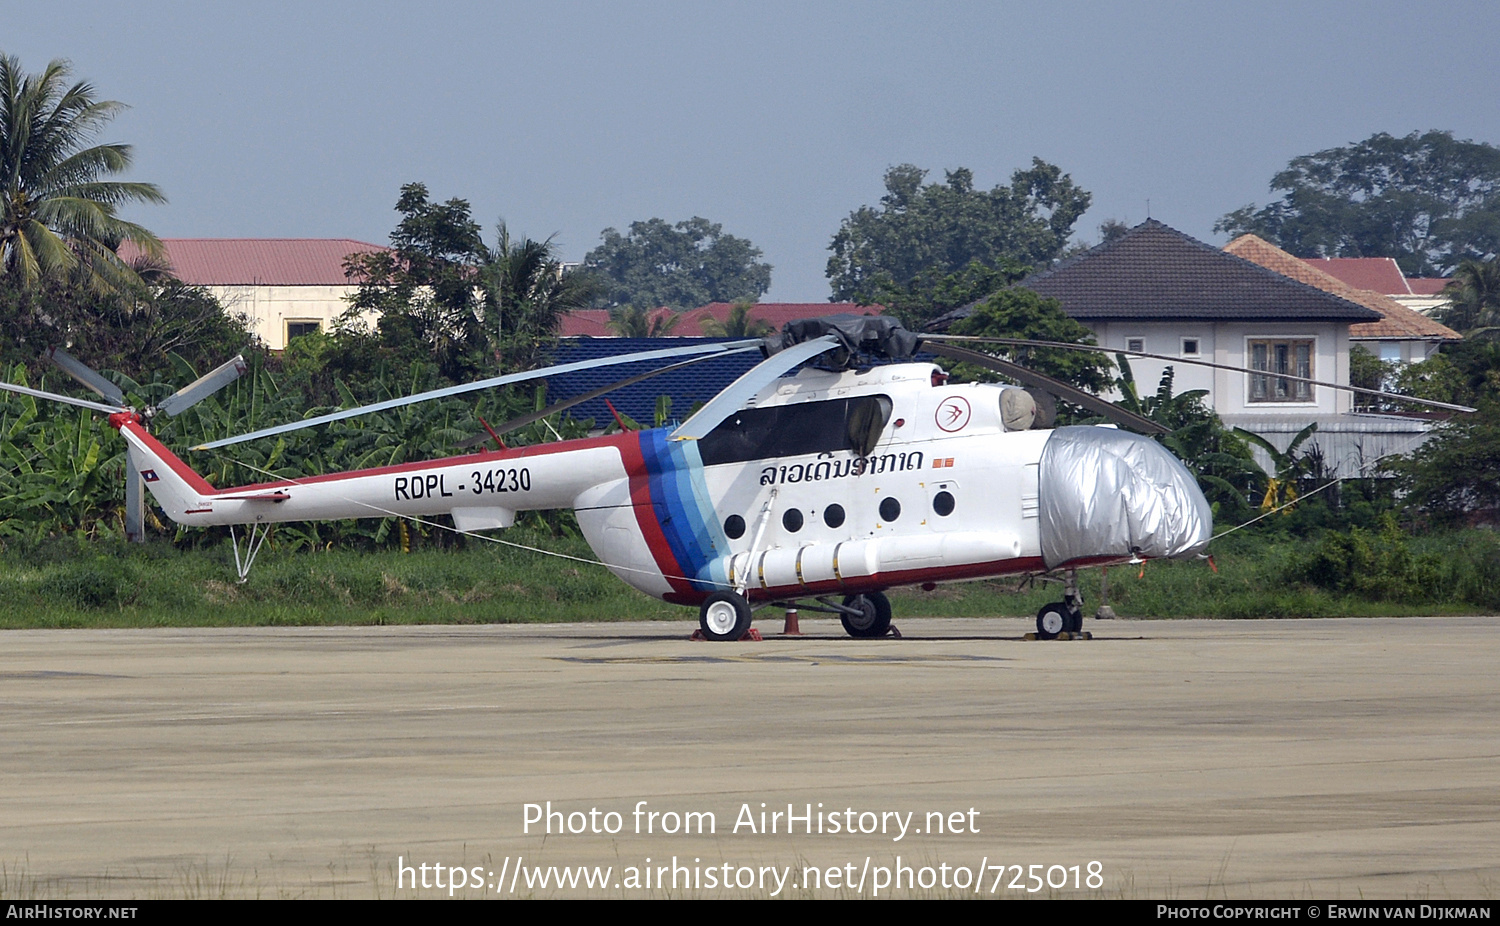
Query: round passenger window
792	520
942	503
734	527
833	515
890	510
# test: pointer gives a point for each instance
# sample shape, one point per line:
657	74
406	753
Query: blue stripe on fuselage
680	502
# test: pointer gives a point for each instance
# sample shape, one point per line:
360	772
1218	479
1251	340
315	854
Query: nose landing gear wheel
724	616
873	618
1054	619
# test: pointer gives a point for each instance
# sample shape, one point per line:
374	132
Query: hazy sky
303	119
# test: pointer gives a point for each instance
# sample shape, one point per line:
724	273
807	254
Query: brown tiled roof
1156	272
1377	274
1397	320
260	261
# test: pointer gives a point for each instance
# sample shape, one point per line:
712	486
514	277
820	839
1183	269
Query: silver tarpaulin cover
1106	492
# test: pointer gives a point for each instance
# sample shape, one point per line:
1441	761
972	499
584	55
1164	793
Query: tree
1428	200
1021	313
682	266
424	289
59	211
526	292
1455	471
641	322
1474	299
442	295
921	234
932	293
738	324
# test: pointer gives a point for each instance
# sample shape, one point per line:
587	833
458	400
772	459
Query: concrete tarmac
1191	760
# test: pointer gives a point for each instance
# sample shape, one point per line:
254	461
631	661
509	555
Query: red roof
1427	286
595	322
586	323
1376	274
262	261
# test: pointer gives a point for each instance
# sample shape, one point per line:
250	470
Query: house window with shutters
1275	360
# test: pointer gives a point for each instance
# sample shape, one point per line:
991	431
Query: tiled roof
595	322
260	261
1427	286
687	386
586	323
776	314
1156	272
697	383
1377	274
1397	320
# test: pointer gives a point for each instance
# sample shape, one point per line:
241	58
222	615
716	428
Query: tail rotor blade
76	369
68	400
203	387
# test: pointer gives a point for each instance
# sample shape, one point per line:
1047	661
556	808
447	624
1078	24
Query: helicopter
820	490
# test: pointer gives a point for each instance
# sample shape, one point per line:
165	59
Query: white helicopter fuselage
825	483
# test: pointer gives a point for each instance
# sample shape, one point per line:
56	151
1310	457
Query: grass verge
70	583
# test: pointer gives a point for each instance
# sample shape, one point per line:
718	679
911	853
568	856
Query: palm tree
738	324
526	293
58	215
630	322
1474	299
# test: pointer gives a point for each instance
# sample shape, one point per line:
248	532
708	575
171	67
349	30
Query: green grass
69	582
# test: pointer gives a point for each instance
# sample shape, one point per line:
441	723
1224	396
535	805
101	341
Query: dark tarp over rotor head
871	335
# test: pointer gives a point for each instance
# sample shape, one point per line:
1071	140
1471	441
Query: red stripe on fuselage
645	517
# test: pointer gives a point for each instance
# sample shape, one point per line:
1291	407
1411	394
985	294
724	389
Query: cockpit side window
867	418
792	430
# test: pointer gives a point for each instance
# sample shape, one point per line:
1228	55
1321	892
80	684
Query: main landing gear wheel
724	616
873	619
1054	619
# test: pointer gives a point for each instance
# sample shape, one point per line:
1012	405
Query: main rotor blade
75	368
566	404
743	389
1093	348
1057	387
204	386
483	384
82	403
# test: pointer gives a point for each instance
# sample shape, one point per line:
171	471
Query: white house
1159	291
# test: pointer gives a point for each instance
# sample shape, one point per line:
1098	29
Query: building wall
1228	343
1398	351
270	308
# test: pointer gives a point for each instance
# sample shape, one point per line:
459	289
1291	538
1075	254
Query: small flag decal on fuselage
149	475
